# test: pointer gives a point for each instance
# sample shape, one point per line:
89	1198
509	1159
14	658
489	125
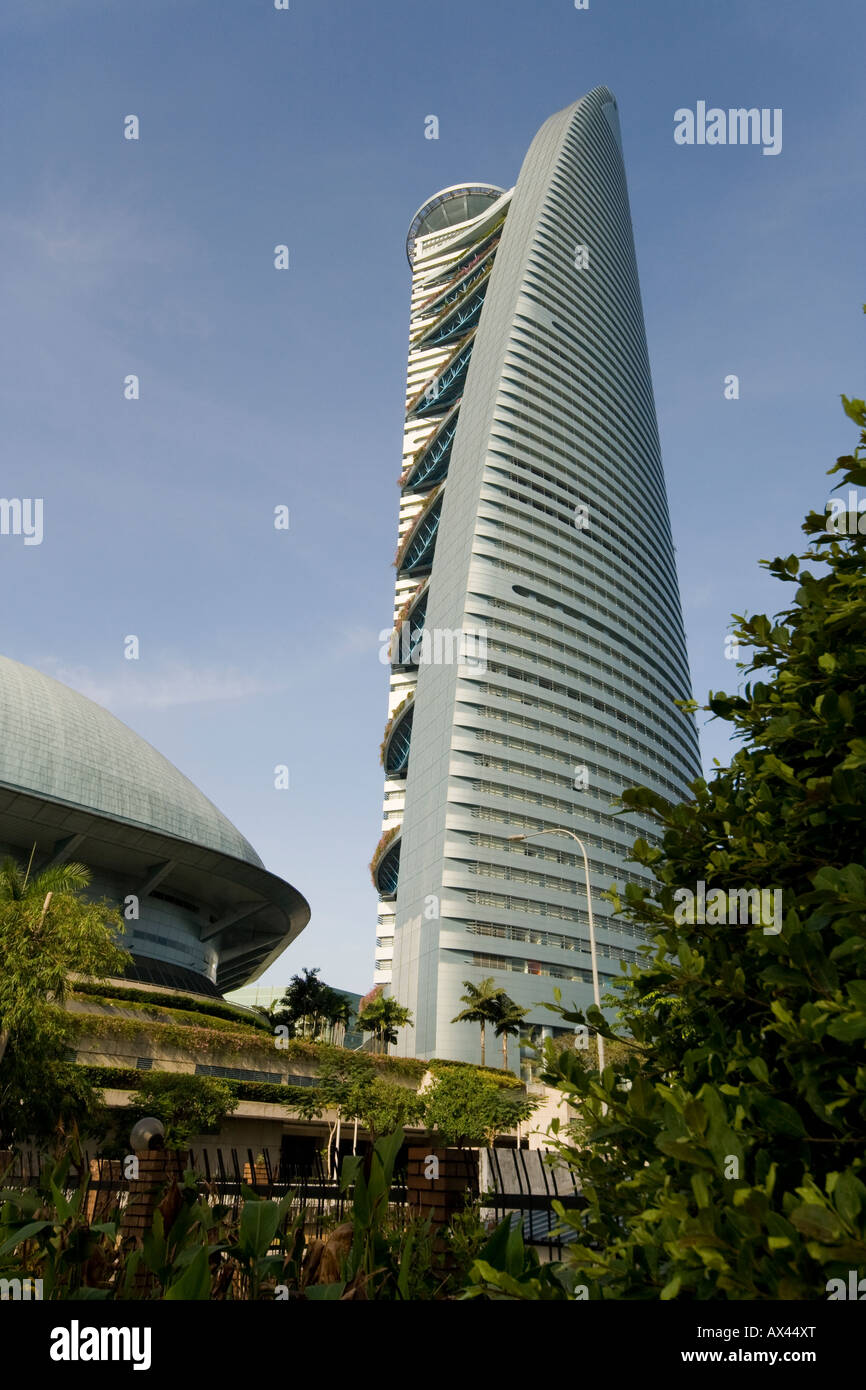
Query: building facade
533	521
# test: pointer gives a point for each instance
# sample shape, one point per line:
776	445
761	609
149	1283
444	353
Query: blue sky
260	387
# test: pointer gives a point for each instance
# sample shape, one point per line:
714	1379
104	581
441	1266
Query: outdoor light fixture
561	830
148	1133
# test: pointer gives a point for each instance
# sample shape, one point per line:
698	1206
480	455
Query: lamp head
148	1133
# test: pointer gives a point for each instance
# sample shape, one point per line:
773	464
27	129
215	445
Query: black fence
222	1175
519	1183
523	1184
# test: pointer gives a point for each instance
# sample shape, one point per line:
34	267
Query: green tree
300	1007
48	931
508	1024
381	1015
465	1108
732	1166
382	1106
337	1010
308	1004
349	1084
484	1004
187	1105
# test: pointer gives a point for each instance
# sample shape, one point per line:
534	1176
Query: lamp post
561	830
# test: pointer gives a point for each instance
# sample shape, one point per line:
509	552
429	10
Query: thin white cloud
89	236
139	687
165	683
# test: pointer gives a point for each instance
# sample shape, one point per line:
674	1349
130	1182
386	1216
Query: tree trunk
4	1041
505	1052
482	1042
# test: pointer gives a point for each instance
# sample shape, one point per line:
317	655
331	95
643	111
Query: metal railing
523	1184
223	1174
519	1183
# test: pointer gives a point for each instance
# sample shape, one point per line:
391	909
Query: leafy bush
187	1105
733	1166
464	1107
107	993
131	1079
506	1080
48	928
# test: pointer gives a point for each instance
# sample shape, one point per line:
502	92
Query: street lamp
561	830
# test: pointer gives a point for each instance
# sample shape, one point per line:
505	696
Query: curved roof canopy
77	782
61	745
448	208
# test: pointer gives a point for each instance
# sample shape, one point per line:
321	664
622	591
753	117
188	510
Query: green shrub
105	993
187	1105
464	1107
733	1166
502	1078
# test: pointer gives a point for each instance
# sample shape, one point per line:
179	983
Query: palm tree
47	930
336	1009
16	885
484	1005
382	1016
509	1021
303	1002
394	1016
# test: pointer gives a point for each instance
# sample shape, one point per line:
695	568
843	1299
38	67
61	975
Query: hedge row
506	1079
132	1079
189	1036
163	1013
104	991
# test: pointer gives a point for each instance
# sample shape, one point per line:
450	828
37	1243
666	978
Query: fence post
144	1192
104	1190
439	1180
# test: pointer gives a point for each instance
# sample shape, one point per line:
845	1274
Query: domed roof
58	744
462	202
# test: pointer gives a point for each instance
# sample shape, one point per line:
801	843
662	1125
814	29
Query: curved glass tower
533	520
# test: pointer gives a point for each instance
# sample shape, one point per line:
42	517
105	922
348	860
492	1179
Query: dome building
202	912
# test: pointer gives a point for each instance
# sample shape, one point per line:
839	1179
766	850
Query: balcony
415	556
430	464
459	317
444	389
457	278
398	738
385	868
408	631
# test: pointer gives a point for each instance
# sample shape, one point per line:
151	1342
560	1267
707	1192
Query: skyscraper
533	517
